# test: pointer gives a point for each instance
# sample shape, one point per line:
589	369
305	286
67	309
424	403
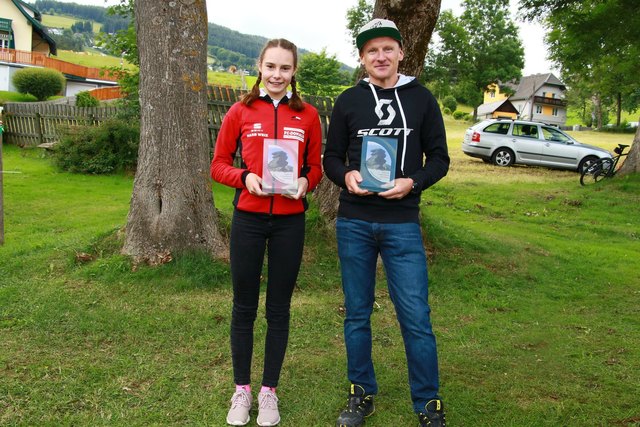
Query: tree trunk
416	20
597	109
326	196
632	162
618	108
172	206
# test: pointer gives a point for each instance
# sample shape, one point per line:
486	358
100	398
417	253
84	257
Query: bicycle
603	168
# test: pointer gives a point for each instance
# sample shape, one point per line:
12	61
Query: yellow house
21	28
493	94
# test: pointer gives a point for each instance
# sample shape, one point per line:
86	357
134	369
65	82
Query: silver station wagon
504	142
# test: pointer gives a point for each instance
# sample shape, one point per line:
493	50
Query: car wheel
503	157
586	162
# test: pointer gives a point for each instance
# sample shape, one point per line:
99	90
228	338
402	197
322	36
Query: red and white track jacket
245	128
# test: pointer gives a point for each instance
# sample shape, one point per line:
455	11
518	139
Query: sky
322	24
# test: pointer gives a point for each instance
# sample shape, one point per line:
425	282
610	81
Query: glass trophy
280	166
378	163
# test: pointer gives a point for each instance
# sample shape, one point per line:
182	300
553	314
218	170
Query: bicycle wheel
596	172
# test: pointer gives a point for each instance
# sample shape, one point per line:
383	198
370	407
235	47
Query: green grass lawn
93	59
65	21
533	285
6	96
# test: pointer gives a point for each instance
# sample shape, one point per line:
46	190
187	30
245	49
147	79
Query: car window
551	134
526	130
501	128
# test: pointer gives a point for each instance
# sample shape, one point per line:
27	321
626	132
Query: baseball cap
378	28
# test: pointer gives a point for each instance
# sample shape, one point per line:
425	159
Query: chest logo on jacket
390	111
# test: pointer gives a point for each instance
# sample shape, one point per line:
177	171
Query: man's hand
254	184
352	179
402	187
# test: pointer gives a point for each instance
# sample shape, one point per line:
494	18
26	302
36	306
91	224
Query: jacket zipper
275	136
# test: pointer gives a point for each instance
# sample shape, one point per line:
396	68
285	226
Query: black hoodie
416	123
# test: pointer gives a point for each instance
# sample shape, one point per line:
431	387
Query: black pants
282	236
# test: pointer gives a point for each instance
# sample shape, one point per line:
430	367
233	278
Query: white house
541	97
21	28
25	42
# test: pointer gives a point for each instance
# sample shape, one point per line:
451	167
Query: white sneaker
268	414
240	406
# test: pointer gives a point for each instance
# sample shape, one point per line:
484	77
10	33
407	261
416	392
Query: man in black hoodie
403	114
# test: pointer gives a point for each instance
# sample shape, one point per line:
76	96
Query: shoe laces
269	401
357	403
240	398
425	419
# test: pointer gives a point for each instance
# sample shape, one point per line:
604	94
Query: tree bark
416	20
632	162
326	196
172	208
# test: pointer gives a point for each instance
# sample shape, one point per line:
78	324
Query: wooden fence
32	124
42	60
106	93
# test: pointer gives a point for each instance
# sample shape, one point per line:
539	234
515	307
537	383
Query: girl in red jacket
263	220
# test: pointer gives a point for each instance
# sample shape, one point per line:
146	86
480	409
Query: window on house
538	109
544	94
554	111
4	40
492	94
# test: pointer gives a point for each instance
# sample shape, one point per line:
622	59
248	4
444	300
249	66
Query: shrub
85	99
618	129
39	82
450	102
108	148
458	115
446	111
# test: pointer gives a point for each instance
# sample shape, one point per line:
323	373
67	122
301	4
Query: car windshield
552	134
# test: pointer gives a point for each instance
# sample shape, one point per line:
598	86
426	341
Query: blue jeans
405	263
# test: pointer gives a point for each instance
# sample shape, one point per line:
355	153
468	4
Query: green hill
226	47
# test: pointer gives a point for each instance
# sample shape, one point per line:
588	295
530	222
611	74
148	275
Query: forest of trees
226	46
230	47
94	13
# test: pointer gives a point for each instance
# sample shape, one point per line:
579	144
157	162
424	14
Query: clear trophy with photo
280	166
378	163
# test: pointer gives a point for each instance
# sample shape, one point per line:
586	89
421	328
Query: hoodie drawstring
404	123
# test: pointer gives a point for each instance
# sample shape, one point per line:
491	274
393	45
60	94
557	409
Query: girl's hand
254	185
303	185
